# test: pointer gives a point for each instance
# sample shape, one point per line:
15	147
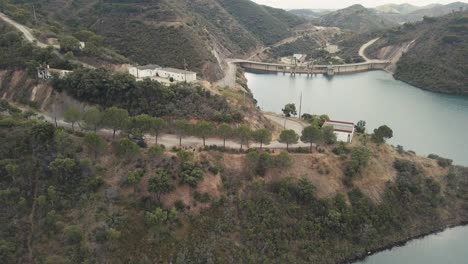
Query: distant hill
309	13
437	57
166	32
409	13
357	18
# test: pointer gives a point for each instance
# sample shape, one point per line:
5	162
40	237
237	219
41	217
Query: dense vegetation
108	89
164	32
61	204
436	61
16	53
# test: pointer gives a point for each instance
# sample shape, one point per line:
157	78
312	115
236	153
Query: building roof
340	126
148	67
173	70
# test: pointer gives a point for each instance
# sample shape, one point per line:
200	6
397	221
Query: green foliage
359	159
443	162
312	135
262	136
244	133
156	151
204	129
190	174
361	126
225	131
289	110
93	118
329	136
134	176
121	90
382	133
115	118
126	149
288	137
73	234
95	144
72	115
202	198
161	183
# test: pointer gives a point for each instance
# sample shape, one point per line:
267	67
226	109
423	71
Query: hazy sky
334	4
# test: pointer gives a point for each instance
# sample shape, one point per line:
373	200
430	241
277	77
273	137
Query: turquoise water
422	121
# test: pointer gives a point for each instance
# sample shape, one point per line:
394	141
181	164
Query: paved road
287	123
362	51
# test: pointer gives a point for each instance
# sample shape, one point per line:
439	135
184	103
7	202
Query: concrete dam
312	69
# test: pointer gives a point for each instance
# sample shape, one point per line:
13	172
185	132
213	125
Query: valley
221	131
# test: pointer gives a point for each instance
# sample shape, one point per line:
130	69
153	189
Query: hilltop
408	13
356	18
435	52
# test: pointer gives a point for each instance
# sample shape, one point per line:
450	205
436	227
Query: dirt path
362	51
26	32
229	79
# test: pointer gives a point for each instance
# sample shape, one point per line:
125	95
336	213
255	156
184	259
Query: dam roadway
311	69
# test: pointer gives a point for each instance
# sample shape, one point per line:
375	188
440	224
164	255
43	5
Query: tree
329	136
288	137
141	124
204	129
95	144
116	118
224	131
244	133
382	133
93	118
182	128
312	134
134	177
72	115
69	43
361	126
160	183
262	136
157	127
126	148
289	110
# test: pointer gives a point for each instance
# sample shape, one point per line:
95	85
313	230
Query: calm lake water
422	121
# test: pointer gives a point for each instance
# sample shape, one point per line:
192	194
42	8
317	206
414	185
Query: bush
73	234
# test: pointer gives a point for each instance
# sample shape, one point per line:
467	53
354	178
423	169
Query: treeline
181	100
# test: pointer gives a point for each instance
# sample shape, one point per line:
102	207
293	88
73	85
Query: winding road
362	51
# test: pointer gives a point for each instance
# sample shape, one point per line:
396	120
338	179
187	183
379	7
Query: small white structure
45	72
177	75
82	45
153	71
146	71
344	130
332	49
300	57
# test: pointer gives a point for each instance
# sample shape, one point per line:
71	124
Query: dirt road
362	51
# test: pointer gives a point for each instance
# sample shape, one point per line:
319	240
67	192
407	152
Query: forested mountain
436	59
164	32
356	18
408	13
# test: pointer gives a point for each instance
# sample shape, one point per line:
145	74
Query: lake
422	121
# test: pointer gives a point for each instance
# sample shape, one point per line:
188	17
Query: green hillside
437	61
356	18
164	32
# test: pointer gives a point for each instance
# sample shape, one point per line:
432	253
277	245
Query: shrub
73	234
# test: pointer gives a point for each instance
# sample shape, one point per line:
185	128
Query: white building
146	71
332	49
177	75
46	72
344	130
300	57
157	72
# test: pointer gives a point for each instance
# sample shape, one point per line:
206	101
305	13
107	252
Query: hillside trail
27	33
362	51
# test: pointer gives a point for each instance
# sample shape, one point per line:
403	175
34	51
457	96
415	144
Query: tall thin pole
34	12
300	106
